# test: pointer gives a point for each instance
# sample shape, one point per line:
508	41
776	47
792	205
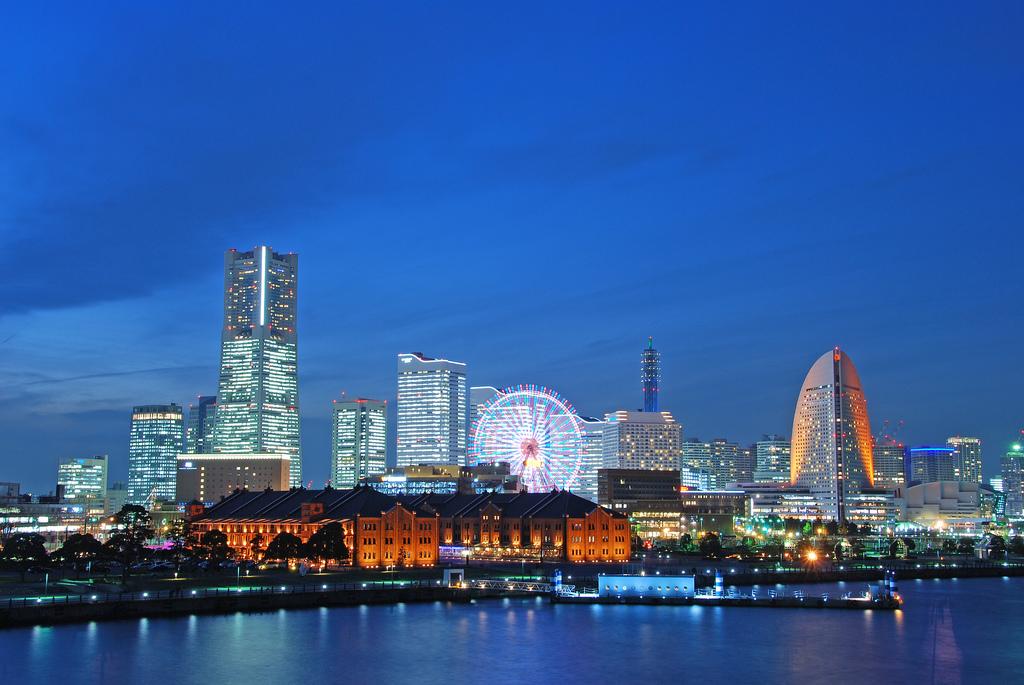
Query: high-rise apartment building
773	452
1012	465
154	445
258	390
83	478
432	411
641	440
723	461
650	362
968	458
199	430
359	441
696	456
889	459
932	464
831	453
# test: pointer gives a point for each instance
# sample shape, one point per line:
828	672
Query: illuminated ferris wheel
536	431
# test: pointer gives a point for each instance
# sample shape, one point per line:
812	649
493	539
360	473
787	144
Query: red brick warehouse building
381	530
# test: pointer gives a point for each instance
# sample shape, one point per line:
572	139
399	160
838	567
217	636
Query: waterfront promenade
79	602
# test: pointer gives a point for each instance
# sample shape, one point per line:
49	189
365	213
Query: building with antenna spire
650	362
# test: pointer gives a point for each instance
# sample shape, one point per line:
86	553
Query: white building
359	441
432	411
641	440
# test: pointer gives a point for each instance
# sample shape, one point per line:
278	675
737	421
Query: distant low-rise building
444	479
51	516
946	501
619	485
208	478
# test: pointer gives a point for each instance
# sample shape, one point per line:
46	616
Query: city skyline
533	192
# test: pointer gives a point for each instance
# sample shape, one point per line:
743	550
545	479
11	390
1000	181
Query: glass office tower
258	389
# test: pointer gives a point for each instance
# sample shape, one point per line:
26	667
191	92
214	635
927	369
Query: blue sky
530	189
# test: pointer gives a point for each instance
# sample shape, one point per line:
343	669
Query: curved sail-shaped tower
831	451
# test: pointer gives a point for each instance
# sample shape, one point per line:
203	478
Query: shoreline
45	611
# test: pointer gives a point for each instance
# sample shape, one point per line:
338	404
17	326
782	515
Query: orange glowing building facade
382	530
831	452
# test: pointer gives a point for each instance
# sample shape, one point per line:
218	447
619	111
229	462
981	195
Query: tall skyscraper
932	464
432	411
83	478
258	391
359	441
641	440
199	432
773	454
650	362
153	449
968	458
831	452
889	459
1012	466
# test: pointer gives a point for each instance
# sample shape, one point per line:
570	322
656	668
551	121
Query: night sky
532	190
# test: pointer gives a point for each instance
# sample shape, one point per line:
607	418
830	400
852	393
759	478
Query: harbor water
949	631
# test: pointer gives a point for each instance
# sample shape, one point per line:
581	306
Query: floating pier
679	591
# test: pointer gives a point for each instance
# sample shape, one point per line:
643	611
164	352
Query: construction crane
882	435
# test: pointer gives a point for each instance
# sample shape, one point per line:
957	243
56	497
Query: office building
592	459
932	464
831	452
432	411
1012	467
772	453
446	479
258	390
696	479
889	461
359	441
641	440
209	478
155	443
199	430
968	458
996	483
650	362
618	485
83	478
117	496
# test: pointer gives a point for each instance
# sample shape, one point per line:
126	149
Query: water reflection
516	641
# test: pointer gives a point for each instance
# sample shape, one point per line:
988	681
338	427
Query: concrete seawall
925	571
43	611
